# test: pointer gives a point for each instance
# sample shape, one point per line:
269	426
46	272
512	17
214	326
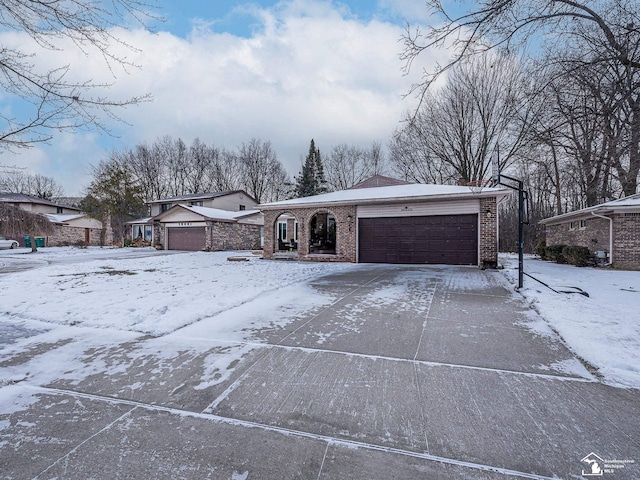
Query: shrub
541	249
577	255
554	253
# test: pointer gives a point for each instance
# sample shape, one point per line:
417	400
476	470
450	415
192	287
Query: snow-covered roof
140	220
60	218
217	214
412	192
212	213
630	203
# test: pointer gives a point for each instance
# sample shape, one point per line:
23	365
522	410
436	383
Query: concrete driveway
412	372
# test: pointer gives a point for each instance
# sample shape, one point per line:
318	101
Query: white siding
453	207
230	202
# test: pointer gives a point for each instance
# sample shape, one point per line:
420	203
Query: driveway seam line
324	457
74	449
428	363
274	428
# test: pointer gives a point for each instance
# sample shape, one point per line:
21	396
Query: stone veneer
346	232
220	236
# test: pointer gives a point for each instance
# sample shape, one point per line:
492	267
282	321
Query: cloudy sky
228	71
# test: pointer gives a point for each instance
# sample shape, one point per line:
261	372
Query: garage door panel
445	239
186	238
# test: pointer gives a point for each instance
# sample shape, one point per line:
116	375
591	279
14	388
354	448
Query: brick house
71	226
151	230
612	227
194	228
394	223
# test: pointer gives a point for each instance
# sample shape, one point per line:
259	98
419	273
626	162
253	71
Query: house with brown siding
612	228
395	223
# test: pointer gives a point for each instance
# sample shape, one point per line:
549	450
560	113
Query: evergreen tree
311	180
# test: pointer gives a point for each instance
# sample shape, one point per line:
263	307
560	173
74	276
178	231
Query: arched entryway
285	233
322	234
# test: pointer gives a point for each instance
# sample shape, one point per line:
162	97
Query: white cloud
310	71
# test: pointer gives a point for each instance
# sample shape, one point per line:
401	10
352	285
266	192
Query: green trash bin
27	241
39	242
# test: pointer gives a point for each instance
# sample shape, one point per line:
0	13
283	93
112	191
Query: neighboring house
72	227
75	229
184	227
398	223
233	201
612	227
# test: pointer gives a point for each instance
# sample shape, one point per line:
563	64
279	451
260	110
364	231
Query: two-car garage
443	239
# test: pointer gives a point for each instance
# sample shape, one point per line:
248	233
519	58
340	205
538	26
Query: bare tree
348	165
457	129
41	186
509	24
16	222
261	170
53	100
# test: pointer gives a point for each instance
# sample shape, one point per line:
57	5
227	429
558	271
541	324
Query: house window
59	210
242	207
148	233
282	231
295	231
164	207
583	224
572	225
196	204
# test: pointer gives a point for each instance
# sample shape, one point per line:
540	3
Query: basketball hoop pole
522	197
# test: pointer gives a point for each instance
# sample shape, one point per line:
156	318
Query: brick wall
594	235
222	236
488	246
67	235
345	217
626	241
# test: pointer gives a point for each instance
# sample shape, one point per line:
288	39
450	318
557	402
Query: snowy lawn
604	329
153	295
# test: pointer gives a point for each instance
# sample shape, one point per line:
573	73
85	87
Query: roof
379	181
630	203
395	193
24	198
59	218
140	220
199	196
212	213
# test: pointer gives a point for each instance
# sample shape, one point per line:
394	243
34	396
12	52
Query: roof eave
373	201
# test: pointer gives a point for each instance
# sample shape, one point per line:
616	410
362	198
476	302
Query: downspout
610	234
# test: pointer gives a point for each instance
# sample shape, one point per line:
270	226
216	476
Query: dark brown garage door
444	239
186	238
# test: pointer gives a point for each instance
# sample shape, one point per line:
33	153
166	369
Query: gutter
610	234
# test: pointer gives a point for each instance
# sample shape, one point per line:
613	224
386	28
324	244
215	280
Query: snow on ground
153	295
604	328
80	312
